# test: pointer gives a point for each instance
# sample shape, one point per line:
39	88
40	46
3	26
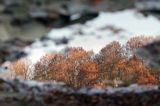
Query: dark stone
62	41
153	51
44	38
12	49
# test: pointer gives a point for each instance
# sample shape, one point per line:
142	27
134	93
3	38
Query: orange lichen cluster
80	68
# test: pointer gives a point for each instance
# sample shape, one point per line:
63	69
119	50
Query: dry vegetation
114	65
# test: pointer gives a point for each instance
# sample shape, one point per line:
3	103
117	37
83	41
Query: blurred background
30	19
22	22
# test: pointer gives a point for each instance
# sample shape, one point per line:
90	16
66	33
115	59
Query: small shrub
75	67
113	65
107	61
80	68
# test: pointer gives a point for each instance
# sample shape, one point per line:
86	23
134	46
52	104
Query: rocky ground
19	93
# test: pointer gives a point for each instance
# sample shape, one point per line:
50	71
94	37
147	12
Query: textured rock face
151	54
12	49
31	93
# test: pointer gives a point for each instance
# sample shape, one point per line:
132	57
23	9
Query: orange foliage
19	67
108	59
150	79
75	68
47	64
113	66
78	68
139	71
77	54
88	72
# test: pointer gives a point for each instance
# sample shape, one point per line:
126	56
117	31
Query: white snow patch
129	20
36	55
96	33
110	90
132	88
60	33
